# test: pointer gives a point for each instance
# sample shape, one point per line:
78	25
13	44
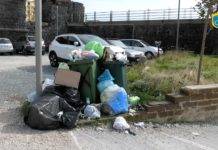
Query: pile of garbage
81	91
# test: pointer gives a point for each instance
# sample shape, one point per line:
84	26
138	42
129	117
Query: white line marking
75	140
188	142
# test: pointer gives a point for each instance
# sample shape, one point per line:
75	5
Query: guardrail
141	15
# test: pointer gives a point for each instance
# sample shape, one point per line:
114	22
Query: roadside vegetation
168	73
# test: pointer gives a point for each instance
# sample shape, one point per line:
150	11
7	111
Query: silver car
140	45
133	55
6	46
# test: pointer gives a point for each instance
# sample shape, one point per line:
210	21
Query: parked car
140	45
61	47
6	46
26	45
133	55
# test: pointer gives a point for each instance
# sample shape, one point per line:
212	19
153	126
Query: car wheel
24	51
43	52
149	55
53	59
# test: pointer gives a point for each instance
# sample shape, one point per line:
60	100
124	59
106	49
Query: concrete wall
190	35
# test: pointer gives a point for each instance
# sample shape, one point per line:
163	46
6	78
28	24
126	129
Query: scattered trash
140	125
99	129
132	112
89	55
47	82
195	133
63	66
109	92
104	84
67	78
155	126
97	47
92	112
115	53
46	114
75	55
118	102
121	124
105	76
70	95
134	100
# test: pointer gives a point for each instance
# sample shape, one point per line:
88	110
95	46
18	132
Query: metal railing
141	15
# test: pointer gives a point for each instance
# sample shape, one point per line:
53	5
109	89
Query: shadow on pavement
47	69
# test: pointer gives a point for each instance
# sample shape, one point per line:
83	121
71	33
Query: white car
31	44
139	45
132	55
61	47
6	46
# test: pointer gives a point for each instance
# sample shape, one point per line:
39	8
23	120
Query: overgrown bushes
168	73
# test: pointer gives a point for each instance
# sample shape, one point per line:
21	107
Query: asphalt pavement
17	76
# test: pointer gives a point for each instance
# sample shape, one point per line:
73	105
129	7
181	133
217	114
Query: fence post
169	11
111	16
128	15
95	17
148	14
144	14
190	13
184	17
86	18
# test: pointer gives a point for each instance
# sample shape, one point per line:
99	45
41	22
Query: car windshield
117	43
88	38
147	44
31	38
5	41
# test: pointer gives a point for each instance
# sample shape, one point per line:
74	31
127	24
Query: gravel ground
18	79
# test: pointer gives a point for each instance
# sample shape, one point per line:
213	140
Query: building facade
12	19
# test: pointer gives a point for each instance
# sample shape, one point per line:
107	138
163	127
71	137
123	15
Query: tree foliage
203	6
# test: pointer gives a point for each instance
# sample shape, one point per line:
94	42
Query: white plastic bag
47	82
121	124
109	92
63	66
92	112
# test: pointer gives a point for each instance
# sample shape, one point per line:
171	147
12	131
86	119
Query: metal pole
133	31
178	27
57	20
203	46
38	49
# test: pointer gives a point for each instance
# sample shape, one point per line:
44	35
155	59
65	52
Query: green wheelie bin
118	71
88	81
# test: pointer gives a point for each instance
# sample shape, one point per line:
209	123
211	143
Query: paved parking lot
17	76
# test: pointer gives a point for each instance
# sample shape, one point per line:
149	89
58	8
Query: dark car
26	45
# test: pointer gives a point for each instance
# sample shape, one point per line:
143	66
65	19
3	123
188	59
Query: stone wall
57	15
193	103
12	19
150	31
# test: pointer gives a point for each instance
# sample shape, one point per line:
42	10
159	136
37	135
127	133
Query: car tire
43	52
53	59
149	55
24	52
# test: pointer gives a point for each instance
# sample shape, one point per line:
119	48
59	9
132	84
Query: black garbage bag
71	95
44	114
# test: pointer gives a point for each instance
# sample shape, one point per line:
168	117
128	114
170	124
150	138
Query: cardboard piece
67	78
